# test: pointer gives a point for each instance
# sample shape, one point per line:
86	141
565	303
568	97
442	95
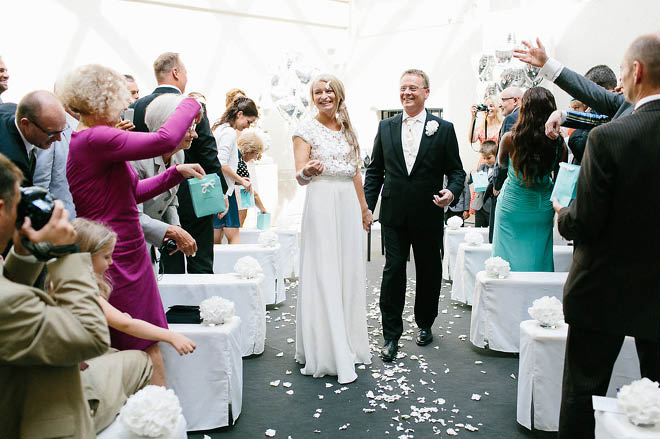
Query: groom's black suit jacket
407	200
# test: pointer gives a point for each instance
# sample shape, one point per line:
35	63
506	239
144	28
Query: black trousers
202	230
491	220
426	245
588	364
481	218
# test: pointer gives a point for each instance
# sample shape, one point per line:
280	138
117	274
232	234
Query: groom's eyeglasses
412	89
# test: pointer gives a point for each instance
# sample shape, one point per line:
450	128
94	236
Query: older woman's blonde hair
95	90
94	237
232	94
249	142
160	109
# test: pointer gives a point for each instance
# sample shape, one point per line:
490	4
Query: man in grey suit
613	288
159	217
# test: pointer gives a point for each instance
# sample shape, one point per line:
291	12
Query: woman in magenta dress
106	189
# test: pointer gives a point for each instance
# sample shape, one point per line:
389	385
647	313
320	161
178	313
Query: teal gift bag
566	184
263	221
247	199
480	180
207	196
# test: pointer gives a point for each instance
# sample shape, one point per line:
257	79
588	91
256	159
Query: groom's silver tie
409	147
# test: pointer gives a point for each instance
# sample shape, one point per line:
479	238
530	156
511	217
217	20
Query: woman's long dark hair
246	105
533	152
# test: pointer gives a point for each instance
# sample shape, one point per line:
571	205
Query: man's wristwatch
45	251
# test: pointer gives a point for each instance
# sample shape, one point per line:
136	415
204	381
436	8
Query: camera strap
45	251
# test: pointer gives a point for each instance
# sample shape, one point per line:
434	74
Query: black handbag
183	314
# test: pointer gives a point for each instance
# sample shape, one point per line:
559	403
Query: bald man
4	78
613	288
36	122
510	98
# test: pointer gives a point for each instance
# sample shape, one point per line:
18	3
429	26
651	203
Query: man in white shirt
412	154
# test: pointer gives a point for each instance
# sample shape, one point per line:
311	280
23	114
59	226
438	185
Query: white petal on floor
275	383
270	432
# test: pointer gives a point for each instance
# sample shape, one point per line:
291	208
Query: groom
412	153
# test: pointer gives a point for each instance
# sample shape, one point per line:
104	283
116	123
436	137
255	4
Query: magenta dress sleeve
150	187
119	146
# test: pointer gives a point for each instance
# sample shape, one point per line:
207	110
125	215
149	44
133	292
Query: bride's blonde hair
340	108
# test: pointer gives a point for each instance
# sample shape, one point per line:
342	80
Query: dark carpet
446	389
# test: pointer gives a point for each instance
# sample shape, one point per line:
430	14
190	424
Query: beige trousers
110	380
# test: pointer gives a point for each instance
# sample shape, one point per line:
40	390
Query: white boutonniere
431	127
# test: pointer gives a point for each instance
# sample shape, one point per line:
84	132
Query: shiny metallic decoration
532	77
485	69
289	87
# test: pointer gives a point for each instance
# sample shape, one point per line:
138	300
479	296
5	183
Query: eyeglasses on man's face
411	89
506	99
51	134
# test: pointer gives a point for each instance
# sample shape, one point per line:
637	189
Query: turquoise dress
524	220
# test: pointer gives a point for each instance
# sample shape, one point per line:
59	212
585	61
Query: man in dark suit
36	122
598	98
172	77
510	98
613	288
412	153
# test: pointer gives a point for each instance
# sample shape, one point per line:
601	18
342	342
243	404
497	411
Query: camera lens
37	204
169	246
482	107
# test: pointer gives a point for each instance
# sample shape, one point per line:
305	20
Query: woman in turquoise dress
524	216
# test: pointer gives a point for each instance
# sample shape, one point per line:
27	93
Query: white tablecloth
225	257
211	378
541	369
501	304
452	238
616	426
470	260
290	252
247	295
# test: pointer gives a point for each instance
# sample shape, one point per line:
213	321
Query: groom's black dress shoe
389	351
424	336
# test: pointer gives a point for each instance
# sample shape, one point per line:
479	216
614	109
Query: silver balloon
490	90
304	77
532	75
503	56
511	78
485	69
275	80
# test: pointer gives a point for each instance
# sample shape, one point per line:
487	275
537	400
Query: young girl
97	239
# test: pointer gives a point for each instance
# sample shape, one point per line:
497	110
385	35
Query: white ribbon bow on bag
205	186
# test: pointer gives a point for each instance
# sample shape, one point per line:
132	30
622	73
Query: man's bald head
40	117
646	50
510	98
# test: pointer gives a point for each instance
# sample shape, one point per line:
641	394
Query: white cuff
564	115
551	69
303	176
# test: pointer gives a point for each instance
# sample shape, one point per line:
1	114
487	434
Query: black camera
37	204
482	107
168	246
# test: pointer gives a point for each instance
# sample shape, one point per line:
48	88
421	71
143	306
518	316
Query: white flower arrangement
268	238
640	401
216	310
474	238
152	412
547	311
497	267
455	222
247	267
431	127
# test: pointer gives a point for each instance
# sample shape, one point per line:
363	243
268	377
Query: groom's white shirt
410	153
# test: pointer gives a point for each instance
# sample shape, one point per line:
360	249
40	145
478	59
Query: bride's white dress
331	321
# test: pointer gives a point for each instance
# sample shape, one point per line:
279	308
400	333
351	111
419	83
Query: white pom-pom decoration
153	412
640	401
455	222
268	238
547	311
497	267
474	238
216	310
247	267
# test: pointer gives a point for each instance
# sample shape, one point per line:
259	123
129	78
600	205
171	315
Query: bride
331	322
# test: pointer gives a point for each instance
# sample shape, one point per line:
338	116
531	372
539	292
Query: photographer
487	127
45	338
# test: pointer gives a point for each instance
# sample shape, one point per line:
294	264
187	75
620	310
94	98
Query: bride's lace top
328	146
